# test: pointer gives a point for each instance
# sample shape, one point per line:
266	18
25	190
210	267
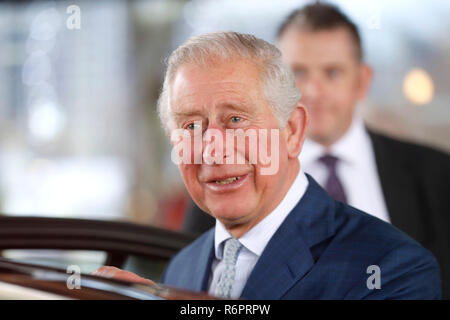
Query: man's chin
322	136
230	215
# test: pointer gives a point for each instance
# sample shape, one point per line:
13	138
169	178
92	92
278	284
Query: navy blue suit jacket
322	251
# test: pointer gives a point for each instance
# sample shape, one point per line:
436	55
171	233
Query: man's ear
296	131
365	79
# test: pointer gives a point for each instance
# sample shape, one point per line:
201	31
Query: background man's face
228	96
329	77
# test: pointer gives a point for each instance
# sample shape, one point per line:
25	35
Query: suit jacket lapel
287	257
203	260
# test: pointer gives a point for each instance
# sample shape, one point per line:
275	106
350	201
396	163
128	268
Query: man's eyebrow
298	65
242	106
184	114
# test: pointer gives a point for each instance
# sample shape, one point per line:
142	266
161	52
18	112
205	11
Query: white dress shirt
356	168
255	240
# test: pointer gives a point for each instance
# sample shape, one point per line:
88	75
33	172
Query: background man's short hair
319	17
277	81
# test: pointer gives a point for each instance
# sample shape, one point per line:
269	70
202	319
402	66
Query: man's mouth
226	183
228	180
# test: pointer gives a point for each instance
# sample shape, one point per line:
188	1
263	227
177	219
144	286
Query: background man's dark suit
416	184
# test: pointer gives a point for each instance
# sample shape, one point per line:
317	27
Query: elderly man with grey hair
278	235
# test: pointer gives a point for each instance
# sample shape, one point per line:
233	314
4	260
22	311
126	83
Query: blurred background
79	133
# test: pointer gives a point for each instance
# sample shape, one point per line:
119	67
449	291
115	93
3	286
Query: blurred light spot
418	87
43	91
157	12
45	25
33	45
36	69
46	121
39	165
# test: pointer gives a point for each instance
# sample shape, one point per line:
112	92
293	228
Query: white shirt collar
256	239
347	149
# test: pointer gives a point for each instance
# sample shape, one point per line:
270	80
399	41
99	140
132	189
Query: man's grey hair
277	81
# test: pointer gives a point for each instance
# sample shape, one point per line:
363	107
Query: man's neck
328	142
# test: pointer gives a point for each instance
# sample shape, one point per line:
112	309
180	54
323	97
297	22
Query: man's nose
214	145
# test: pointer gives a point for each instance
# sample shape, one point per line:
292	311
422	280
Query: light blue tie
226	278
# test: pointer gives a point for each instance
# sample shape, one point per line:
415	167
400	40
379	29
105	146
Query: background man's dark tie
333	185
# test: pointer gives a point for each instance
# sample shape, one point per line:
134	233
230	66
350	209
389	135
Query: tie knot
329	160
231	251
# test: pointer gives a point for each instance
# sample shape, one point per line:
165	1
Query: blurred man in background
401	183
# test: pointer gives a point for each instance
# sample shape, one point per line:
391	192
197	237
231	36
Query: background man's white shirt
356	168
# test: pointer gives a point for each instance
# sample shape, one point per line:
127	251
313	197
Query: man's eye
235	119
333	73
192	126
299	73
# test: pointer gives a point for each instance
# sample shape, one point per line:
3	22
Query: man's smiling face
228	96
